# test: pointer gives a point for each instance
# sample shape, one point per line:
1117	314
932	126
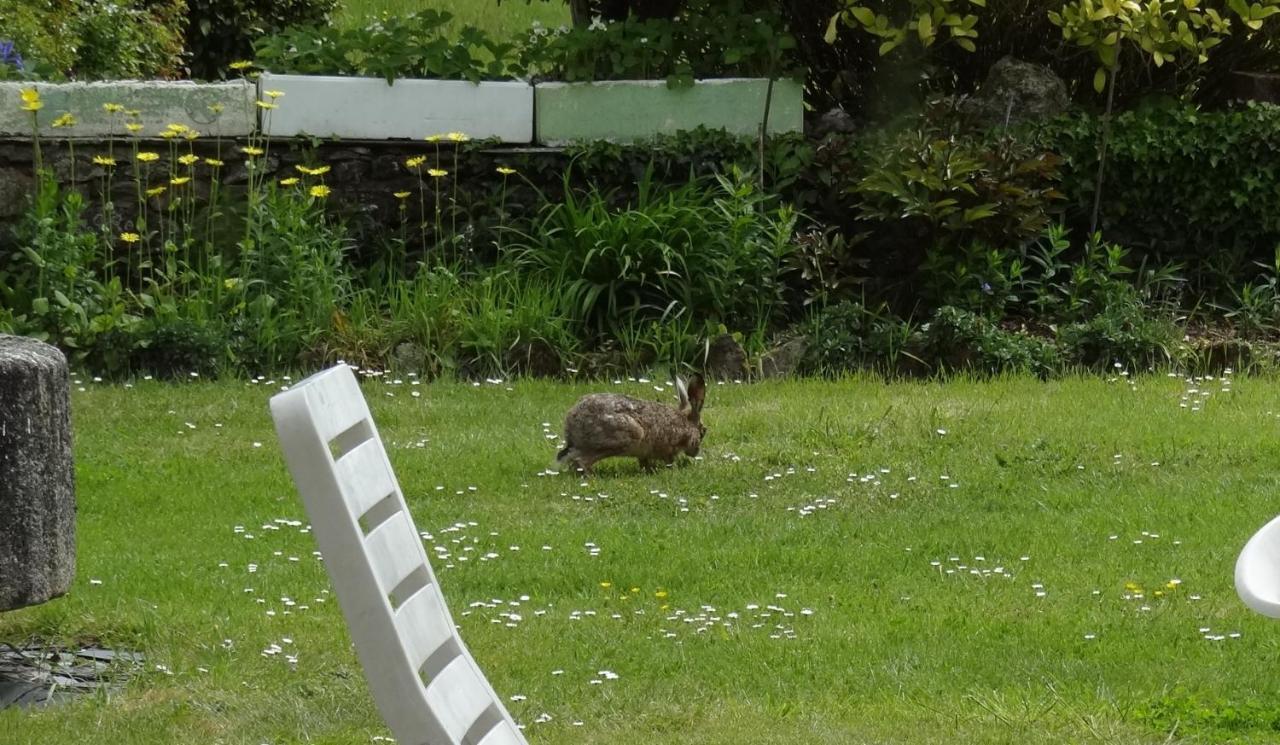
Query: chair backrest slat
395	550
364	477
458	692
426	684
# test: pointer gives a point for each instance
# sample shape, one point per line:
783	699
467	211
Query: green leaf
966	44
830	35
864	15
888	46
1100	79
924	27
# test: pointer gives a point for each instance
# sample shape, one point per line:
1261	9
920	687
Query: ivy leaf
966	44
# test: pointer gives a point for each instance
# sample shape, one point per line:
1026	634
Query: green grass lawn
502	21
849	562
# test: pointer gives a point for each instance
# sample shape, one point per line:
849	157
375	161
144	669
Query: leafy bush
1187	185
223	31
173	348
729	38
956	339
143	39
48	283
411	46
924	189
53	39
848	337
1045	281
715	253
1123	334
291	281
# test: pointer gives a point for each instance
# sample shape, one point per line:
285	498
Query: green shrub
91	41
291	281
848	337
933	189
222	31
43	32
143	39
1193	186
1046	281
1123	334
706	39
714	252
413	46
49	284
958	340
174	348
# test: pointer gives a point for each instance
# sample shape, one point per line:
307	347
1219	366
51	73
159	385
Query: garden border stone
370	108
160	103
630	110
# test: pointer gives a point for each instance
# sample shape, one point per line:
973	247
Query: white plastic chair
1258	571
424	681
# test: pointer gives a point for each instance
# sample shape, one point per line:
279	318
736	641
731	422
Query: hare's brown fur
606	425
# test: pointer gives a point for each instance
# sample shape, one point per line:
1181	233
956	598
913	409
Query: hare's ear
696	394
682	391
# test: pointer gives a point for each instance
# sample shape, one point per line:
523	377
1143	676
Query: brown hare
607	425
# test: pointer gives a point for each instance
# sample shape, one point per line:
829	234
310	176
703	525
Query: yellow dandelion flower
319	190
660	594
31	100
133	113
457	137
401	195
179	181
190	135
606	585
157	191
189	159
146	157
130	237
103	160
66	120
215	108
213	162
506	171
436	172
133	127
416	162
265	105
433	138
289	181
179	128
168	134
243	64
112	108
274	94
322	170
251	151
635	589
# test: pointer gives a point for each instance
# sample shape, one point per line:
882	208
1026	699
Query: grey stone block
37	484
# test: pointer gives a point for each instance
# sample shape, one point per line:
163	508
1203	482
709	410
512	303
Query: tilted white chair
1258	571
424	681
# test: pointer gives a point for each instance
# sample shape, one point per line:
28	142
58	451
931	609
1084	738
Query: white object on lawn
1258	571
424	681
